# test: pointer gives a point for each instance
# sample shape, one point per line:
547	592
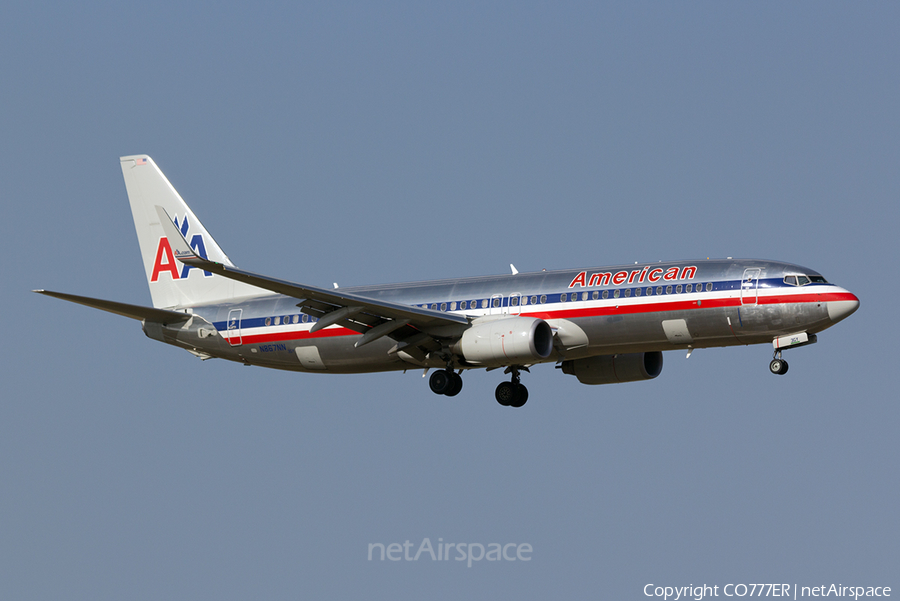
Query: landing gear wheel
778	367
456	383
441	381
521	396
506	393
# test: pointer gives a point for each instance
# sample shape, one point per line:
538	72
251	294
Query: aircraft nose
840	309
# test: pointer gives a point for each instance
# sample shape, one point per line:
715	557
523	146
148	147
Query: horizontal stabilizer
133	311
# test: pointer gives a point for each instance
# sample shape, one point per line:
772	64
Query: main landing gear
511	394
778	365
446	382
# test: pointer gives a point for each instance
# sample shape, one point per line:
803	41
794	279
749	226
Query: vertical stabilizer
173	284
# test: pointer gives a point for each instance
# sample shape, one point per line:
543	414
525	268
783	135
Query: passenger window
616	293
562	298
584	296
668	289
637	291
627	292
484	304
495	302
543	298
678	288
514	301
278	321
649	291
524	300
595	295
443	306
659	289
305	318
605	294
709	287
268	321
434	306
689	288
533	300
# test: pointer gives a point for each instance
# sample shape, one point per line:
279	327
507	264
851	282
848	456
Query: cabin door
234	327
750	286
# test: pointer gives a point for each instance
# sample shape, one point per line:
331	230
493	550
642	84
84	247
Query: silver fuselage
593	311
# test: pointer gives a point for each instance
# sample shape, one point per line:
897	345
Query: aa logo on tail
165	259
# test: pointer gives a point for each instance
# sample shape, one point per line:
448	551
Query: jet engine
611	369
506	341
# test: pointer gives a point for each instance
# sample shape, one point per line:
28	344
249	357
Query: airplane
602	325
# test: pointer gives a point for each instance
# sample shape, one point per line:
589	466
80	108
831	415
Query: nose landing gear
778	366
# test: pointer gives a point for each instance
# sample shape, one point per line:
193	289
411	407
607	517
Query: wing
417	330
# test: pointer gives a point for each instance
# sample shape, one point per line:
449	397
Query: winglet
179	245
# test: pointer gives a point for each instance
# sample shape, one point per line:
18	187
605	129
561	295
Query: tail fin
173	284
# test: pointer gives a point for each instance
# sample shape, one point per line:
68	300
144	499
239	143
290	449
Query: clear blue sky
364	143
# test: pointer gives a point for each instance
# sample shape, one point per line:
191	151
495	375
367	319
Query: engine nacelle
506	341
611	369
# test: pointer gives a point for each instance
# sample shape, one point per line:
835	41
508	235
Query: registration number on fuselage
271	348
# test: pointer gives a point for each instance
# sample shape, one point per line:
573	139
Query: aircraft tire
456	384
441	381
778	366
521	396
506	393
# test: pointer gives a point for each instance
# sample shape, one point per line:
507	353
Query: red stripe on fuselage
626	309
295	335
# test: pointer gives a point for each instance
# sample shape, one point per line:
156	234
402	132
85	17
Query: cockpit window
803	280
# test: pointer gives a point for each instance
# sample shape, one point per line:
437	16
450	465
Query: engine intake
506	341
612	369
